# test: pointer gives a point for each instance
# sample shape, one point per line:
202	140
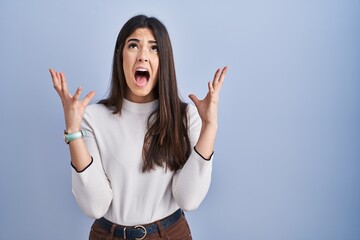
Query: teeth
142	70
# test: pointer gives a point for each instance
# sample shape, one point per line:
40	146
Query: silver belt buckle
143	228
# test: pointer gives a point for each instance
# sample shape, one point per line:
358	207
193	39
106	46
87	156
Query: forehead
142	34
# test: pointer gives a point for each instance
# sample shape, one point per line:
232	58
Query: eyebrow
137	40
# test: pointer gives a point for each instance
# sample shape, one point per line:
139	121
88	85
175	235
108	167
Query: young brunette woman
141	156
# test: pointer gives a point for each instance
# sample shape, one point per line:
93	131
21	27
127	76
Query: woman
140	156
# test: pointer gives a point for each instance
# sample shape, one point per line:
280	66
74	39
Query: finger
194	99
223	73
88	98
211	88
58	76
64	87
55	80
77	93
220	81
52	73
216	76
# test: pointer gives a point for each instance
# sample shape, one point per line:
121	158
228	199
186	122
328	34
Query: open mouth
141	77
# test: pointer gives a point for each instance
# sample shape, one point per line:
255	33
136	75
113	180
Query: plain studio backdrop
287	156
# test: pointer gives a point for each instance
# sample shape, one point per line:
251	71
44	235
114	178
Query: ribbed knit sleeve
191	183
91	187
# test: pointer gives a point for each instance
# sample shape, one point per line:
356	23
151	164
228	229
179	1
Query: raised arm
208	110
74	112
90	185
191	183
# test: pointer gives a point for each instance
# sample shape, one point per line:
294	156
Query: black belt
139	231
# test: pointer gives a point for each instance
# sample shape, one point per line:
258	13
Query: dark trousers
178	231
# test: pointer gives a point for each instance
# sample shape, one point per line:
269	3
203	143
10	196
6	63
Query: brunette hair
166	143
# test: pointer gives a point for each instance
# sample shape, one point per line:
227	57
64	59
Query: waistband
139	231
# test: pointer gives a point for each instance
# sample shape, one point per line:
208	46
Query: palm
207	107
73	108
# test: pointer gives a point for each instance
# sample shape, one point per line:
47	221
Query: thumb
194	99
88	98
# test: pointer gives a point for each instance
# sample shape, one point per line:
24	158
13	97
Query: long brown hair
166	143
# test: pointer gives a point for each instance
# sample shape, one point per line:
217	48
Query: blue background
287	160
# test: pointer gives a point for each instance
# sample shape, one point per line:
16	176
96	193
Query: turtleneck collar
140	107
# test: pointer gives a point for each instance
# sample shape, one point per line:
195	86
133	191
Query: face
140	64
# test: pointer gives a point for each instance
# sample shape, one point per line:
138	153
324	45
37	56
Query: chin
140	96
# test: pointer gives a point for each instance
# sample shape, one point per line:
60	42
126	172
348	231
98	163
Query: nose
142	56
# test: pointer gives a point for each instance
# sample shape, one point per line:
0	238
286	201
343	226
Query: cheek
156	65
125	61
126	66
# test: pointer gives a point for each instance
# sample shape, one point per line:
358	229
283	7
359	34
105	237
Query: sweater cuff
207	159
84	168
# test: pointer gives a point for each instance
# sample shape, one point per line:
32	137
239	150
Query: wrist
72	126
68	137
72	130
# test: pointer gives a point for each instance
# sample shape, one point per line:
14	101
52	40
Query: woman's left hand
207	107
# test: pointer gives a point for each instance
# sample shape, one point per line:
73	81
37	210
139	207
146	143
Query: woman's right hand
73	108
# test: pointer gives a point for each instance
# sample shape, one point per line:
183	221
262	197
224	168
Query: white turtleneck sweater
113	185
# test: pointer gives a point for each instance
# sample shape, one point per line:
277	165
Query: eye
154	48
132	45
